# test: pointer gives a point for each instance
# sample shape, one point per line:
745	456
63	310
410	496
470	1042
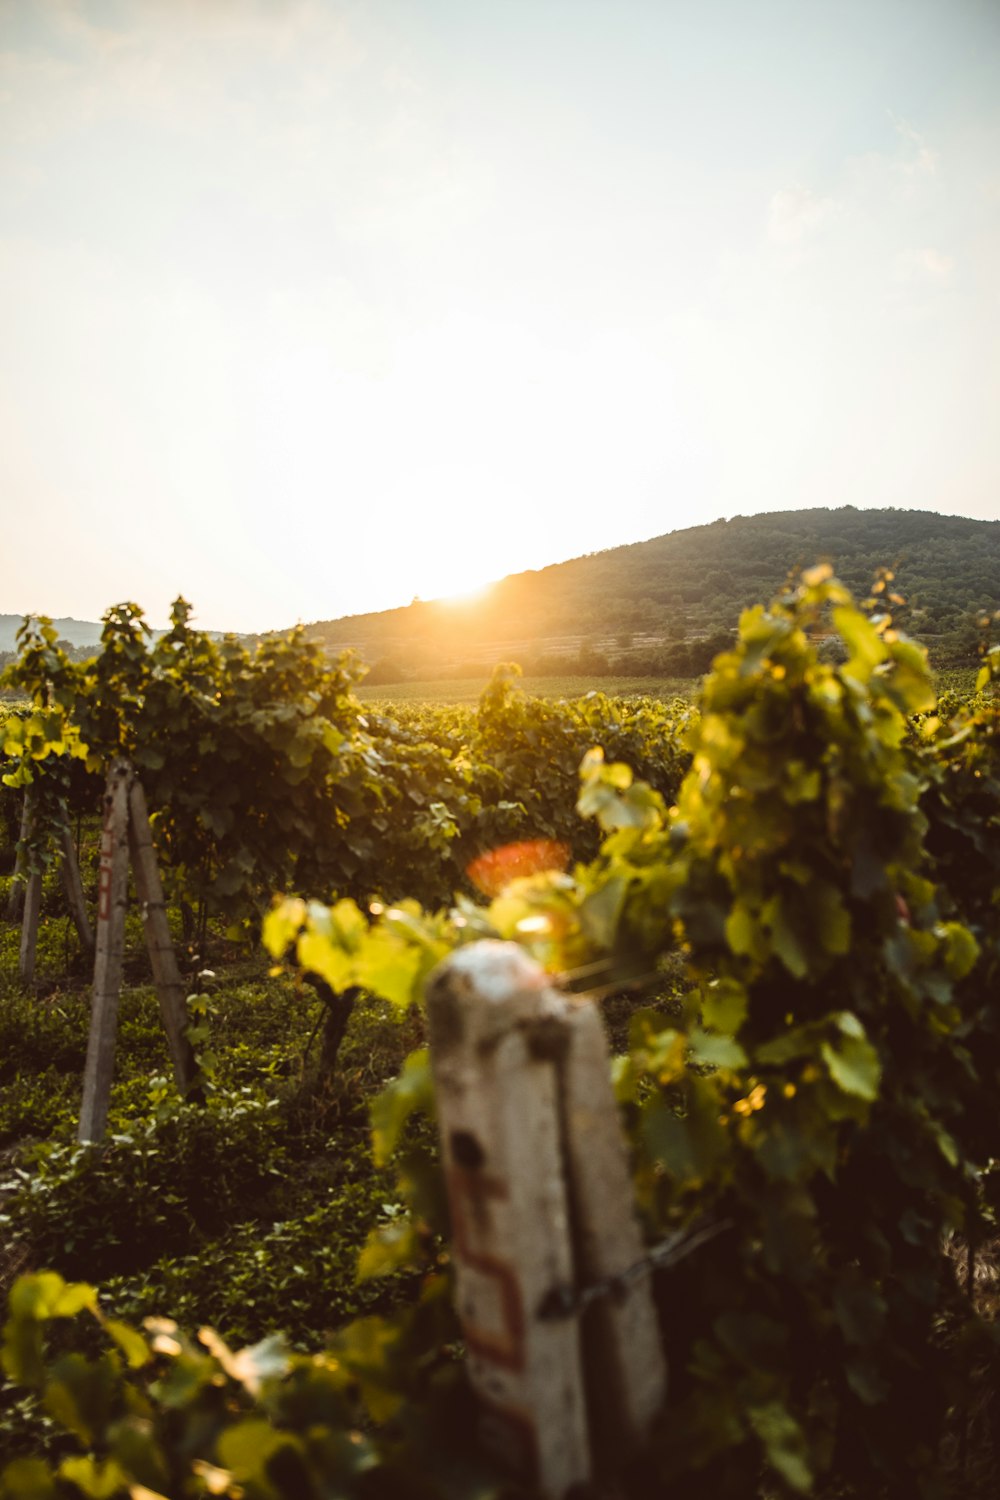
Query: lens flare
491	872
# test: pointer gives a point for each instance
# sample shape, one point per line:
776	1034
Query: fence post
166	974
623	1348
108	960
73	887
15	900
29	926
540	1200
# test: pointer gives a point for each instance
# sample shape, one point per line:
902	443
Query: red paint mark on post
106	867
505	1346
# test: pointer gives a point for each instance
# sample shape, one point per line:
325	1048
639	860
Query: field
787	899
468	690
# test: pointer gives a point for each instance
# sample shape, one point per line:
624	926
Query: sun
474	595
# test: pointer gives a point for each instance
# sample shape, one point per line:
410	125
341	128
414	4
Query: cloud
922	160
796	213
923	266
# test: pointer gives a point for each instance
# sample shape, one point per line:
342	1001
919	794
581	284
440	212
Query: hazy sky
309	307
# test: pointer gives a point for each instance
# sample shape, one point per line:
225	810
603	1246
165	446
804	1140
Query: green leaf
80	1392
247	1448
911	683
787	1153
350	926
601	910
317	954
801	784
282	925
866	646
832	922
27	1479
961	949
388	967
859	1306
132	1441
854	1066
132	1344
688	1146
724	1005
786	938
388	1249
784	1443
98	1481
741	932
717	1051
368	1348
411	1093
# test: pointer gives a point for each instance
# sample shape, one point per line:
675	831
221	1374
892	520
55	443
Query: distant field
468	689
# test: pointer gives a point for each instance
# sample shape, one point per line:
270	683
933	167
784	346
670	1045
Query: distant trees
688	586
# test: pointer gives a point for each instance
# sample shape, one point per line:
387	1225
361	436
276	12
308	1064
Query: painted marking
106	868
504	1346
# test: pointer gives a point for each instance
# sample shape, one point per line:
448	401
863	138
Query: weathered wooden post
29	926
541	1208
29	892
73	887
26	894
126	833
112	896
623	1352
166	974
15	900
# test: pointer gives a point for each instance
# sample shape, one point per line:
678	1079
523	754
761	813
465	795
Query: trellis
126	840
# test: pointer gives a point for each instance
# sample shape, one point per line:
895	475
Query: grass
468	689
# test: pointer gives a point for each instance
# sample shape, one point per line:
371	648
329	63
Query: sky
309	308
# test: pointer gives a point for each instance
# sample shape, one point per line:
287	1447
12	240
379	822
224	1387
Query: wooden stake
73	887
108	960
15	900
542	1211
498	1111
166	975
623	1352
29	926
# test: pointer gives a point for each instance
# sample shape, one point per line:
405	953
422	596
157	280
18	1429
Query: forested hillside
666	605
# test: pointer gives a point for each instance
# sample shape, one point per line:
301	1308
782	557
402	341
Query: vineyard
784	900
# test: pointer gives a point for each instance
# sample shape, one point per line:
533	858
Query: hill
666	605
77	632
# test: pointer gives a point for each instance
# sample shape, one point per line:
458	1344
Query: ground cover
272	1179
468	690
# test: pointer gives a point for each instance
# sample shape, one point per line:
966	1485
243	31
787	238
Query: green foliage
180	1177
262	773
158	1413
824	1090
816	851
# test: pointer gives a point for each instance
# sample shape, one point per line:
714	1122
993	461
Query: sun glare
475	595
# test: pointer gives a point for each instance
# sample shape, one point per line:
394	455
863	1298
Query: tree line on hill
666	606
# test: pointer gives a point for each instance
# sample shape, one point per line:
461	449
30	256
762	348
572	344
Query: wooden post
29	926
111	902
498	1111
541	1205
623	1351
73	887
15	900
166	974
